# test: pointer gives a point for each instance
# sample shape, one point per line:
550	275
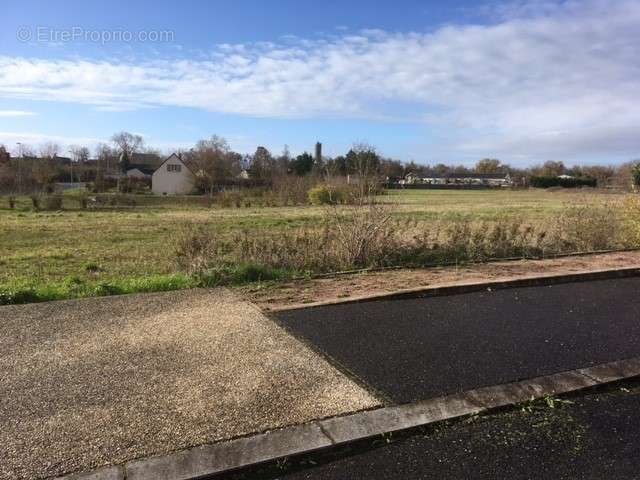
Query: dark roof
148	159
486	176
146	169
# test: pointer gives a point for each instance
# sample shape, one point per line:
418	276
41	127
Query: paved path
86	383
421	348
596	437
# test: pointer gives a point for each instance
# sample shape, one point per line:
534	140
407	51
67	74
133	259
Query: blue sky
524	81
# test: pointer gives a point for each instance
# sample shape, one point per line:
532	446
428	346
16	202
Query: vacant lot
106	245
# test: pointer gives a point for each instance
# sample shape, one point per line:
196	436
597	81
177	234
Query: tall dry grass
368	234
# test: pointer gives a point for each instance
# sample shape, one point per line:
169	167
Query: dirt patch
100	381
303	292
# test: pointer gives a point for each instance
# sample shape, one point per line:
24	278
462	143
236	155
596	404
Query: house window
173	168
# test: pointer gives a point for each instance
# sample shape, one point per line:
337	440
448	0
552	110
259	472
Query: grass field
77	245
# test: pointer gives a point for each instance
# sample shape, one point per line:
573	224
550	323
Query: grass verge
20	292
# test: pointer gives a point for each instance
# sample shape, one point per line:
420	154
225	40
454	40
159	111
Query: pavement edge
474	286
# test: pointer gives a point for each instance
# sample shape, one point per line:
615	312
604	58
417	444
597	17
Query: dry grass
48	247
371	235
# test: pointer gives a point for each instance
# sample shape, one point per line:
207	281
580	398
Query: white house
173	177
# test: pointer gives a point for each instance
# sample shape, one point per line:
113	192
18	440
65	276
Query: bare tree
364	162
214	162
80	154
49	150
127	143
6	172
262	164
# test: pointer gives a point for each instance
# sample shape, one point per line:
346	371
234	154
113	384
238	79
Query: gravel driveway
92	382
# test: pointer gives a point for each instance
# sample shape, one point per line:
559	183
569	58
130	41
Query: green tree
302	164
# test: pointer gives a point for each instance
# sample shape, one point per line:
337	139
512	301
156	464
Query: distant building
458	179
173	177
142	165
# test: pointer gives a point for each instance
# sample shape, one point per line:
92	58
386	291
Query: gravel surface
92	382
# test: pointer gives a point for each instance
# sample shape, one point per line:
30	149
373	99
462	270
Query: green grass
18	291
130	250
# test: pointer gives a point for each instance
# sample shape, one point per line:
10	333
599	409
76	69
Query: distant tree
363	160
49	150
283	163
442	169
490	165
262	164
6	172
391	168
127	143
335	166
214	162
603	174
635	174
550	169
303	164
5	156
79	153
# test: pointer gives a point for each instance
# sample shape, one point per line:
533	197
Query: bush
332	194
547	181
630	219
584	228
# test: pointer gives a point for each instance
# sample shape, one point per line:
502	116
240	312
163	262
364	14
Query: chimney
318	157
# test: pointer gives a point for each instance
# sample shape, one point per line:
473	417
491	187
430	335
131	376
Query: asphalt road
596	436
420	348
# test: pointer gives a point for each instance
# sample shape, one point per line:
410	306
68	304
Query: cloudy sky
524	81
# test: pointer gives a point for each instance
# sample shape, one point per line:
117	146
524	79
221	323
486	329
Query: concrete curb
475	286
221	457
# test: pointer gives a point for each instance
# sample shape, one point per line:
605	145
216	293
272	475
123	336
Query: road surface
414	349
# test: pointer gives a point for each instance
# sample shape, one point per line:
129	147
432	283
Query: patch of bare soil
304	292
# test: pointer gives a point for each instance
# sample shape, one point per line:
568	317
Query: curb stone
474	286
243	452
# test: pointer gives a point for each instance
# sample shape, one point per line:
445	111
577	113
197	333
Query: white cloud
16	113
543	74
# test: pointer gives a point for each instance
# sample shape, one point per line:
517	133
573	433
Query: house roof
147	159
146	169
175	157
486	176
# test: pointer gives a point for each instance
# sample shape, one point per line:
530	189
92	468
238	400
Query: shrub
585	228
547	181
630	219
324	195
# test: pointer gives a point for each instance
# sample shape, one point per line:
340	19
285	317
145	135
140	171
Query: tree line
216	163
